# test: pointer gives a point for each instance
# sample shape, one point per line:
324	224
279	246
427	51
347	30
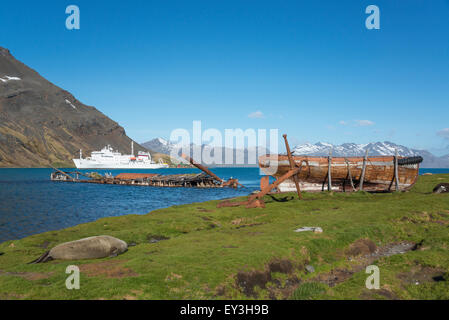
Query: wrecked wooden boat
205	179
342	174
315	174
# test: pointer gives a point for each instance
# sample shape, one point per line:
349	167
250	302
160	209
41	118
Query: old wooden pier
205	179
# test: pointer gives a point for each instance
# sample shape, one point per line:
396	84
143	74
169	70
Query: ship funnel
132	147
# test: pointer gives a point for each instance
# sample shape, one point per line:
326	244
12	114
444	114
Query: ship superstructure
108	158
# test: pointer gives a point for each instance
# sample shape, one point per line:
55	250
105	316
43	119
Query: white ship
107	158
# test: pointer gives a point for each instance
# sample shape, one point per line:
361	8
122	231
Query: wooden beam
329	169
349	174
62	172
362	177
396	170
292	166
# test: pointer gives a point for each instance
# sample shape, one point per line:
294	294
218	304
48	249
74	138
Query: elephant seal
87	248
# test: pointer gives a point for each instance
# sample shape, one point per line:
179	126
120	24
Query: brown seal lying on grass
87	248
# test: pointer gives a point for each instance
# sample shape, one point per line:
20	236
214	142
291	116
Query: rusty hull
379	173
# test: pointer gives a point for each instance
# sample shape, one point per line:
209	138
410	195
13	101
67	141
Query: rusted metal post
329	168
292	166
396	170
362	177
256	199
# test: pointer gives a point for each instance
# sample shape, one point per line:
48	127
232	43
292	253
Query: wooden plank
396	173
62	172
292	166
349	174
362	177
329	174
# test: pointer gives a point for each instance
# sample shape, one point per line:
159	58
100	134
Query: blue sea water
30	203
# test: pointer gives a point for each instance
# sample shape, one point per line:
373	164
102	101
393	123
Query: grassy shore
197	251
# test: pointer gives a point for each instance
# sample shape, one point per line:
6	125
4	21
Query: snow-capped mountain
354	149
375	149
160	145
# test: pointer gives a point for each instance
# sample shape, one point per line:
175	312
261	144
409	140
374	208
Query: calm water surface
30	203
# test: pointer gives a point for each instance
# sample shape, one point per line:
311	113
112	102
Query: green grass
210	249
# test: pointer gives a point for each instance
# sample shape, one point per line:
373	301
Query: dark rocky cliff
42	124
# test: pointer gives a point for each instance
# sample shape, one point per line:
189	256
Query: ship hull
83	164
379	173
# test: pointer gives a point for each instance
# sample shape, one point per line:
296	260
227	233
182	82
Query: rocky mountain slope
42	124
375	149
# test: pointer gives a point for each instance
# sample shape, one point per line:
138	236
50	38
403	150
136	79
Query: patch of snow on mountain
9	78
163	141
69	103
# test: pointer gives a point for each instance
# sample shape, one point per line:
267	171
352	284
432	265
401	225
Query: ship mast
132	147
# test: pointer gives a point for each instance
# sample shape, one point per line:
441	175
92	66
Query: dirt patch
12	296
340	275
247	281
371	294
421	274
220	291
108	269
281	265
153	238
248	225
32	276
336	276
364	251
361	247
204	210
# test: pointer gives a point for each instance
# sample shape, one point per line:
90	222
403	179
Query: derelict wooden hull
379	173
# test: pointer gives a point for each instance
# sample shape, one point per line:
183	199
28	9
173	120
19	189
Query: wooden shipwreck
373	174
205	179
341	174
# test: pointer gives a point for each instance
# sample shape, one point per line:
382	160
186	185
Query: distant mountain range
375	149
322	149
249	155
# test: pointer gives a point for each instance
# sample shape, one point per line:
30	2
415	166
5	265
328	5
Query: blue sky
309	68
